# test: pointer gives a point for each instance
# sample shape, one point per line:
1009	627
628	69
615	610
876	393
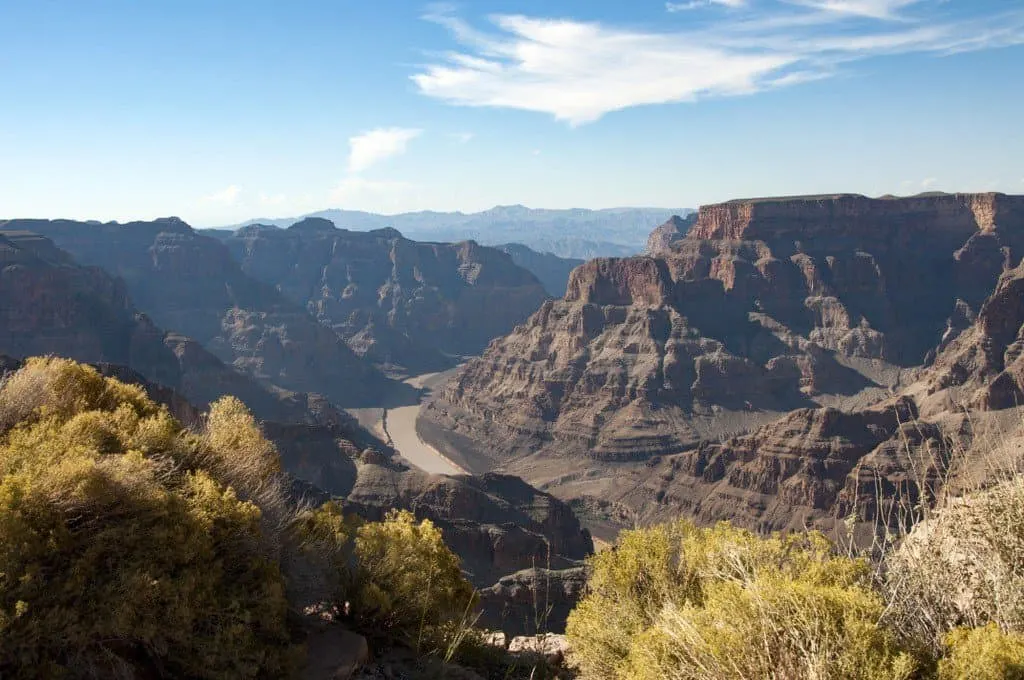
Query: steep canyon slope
395	301
49	304
189	282
763	368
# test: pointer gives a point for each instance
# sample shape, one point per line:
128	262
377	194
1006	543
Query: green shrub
985	653
409	582
680	602
118	557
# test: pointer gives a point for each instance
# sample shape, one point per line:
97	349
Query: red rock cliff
854	216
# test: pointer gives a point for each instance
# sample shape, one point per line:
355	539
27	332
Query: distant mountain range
574	233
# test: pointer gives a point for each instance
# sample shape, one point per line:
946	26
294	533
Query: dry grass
680	602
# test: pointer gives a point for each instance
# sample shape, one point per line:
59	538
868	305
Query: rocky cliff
396	301
662	238
801	311
189	282
51	305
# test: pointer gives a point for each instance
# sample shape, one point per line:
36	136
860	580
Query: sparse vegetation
119	555
131	546
409	584
677	601
985	653
962	567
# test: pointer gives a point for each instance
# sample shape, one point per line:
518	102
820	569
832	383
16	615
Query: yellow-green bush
985	653
130	545
117	556
409	582
680	602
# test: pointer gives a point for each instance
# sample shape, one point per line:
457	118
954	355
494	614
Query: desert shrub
118	557
962	568
627	588
985	653
676	601
409	585
239	451
320	563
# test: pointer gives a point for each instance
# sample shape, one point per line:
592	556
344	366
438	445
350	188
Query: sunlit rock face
765	307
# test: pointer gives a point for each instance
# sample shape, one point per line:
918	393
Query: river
400	428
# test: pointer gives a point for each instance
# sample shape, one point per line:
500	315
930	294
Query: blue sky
219	111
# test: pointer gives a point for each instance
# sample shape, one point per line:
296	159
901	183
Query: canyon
50	304
401	304
827	361
787	361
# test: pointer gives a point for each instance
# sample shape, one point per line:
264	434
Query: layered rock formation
51	305
640	386
662	238
982	367
532	601
189	282
396	301
552	270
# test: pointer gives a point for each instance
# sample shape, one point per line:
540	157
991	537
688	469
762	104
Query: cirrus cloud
579	71
696	4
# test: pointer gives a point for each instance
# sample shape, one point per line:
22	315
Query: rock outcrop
189	282
532	601
396	301
662	238
983	366
498	524
816	307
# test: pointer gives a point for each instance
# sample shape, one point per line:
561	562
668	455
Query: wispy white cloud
370	148
873	9
697	4
579	71
462	137
226	196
